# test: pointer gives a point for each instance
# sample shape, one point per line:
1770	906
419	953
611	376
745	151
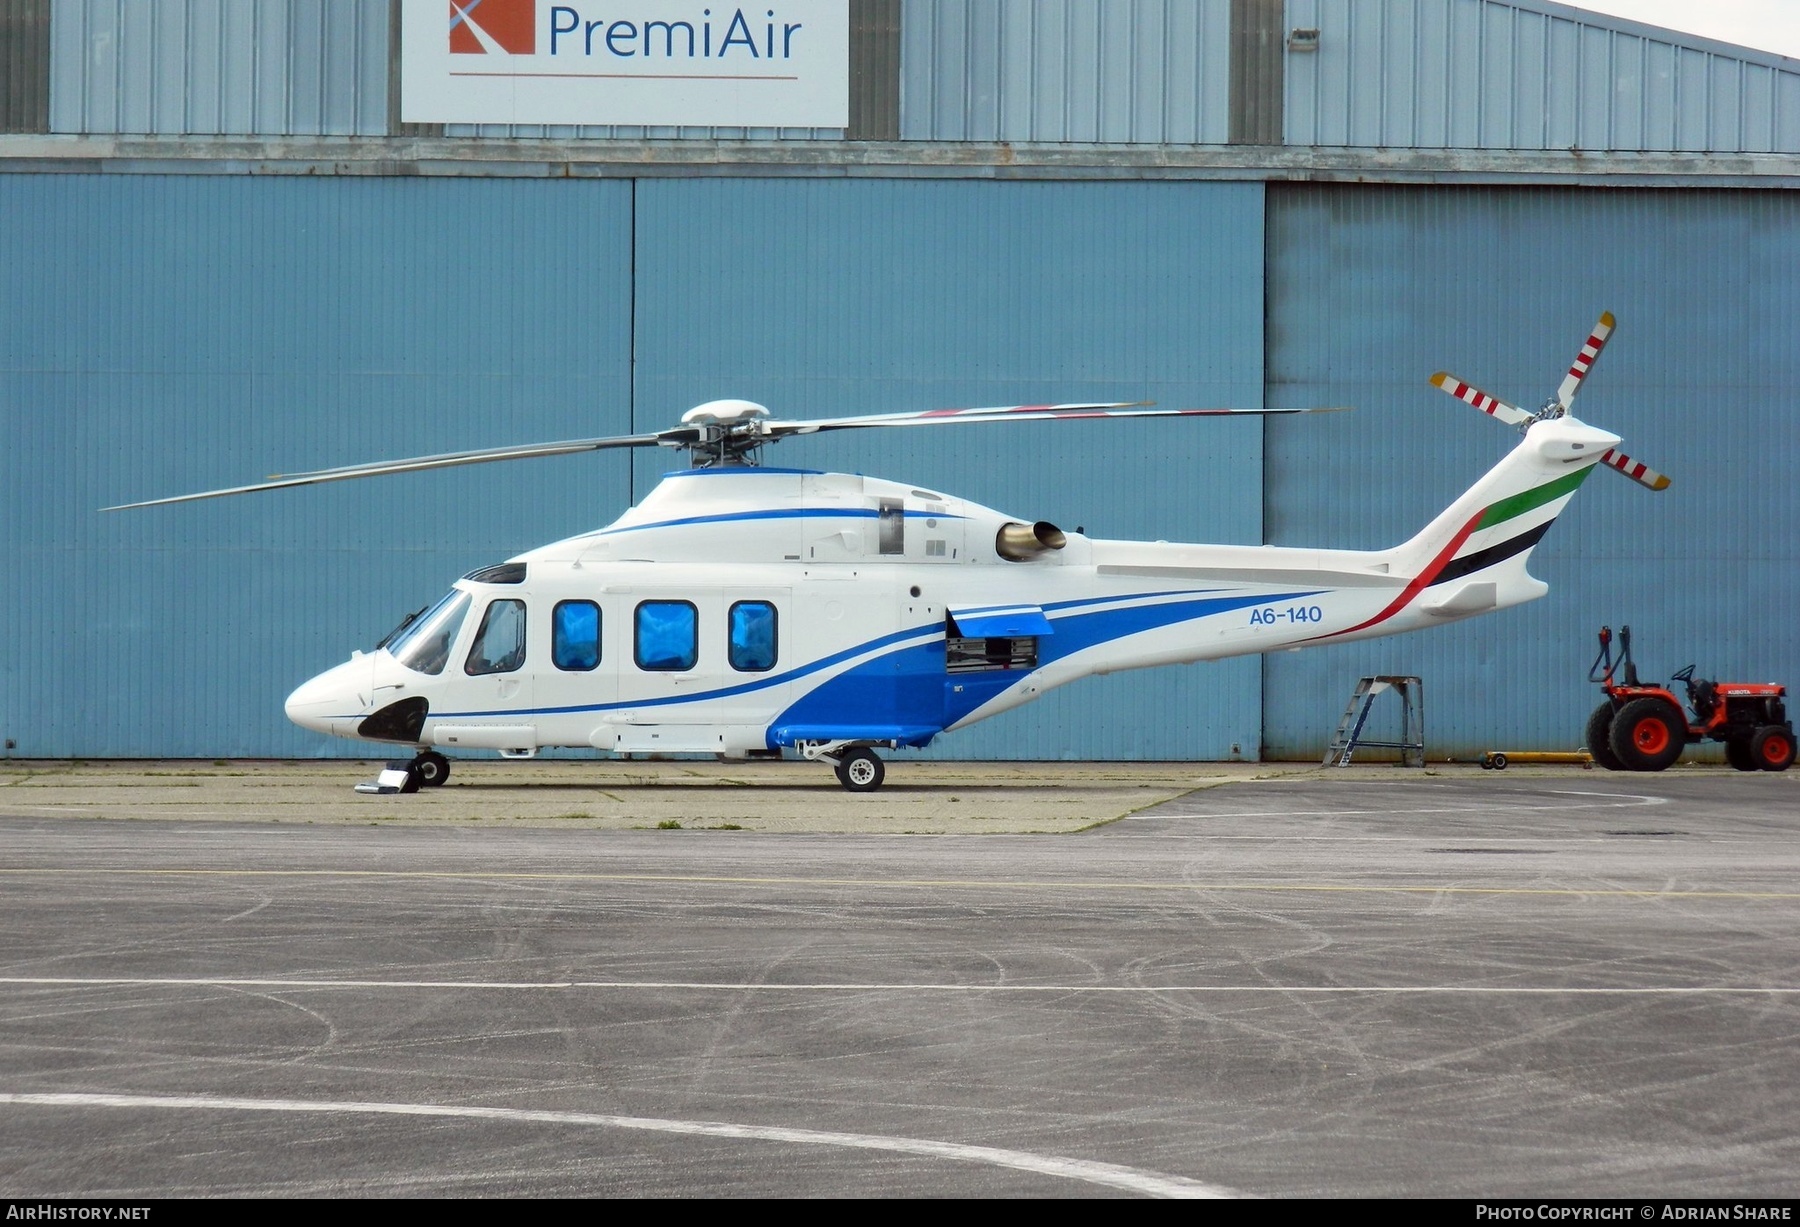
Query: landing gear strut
857	767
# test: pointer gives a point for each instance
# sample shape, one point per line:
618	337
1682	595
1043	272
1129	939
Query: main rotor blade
1017	413
281	481
1641	473
1584	361
1468	393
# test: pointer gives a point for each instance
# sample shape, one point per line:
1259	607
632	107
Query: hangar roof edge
900	159
478	158
1661	34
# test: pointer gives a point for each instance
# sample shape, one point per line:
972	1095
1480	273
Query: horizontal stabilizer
1469	599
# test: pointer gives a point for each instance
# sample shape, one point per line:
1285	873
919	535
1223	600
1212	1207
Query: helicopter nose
338	695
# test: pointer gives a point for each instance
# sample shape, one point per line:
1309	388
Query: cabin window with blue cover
752	647
668	636
499	645
575	636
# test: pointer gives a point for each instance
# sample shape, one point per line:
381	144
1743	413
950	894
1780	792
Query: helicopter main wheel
1648	735
431	768
1737	753
1772	748
860	770
1599	737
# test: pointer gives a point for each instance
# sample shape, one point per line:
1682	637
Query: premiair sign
774	63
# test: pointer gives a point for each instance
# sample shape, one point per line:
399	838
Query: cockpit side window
499	645
424	645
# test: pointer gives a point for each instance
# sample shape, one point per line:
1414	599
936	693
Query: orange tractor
1642	726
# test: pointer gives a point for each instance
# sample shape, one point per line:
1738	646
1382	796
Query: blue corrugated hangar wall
171	333
1371	289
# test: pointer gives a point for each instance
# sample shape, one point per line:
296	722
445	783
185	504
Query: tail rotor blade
1493	406
1641	473
1584	361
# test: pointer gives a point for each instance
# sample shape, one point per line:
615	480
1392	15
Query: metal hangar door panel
833	296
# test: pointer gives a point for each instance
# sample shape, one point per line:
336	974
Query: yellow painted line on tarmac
901	883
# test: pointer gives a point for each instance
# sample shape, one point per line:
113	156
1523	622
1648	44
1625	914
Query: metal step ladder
1356	713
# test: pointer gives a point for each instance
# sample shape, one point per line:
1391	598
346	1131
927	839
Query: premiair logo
510	27
493	27
700	63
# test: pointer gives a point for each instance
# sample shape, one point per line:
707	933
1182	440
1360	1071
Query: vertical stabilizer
1472	557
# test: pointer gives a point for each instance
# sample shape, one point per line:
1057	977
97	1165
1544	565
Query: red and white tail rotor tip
1468	393
1512	415
1639	472
1584	361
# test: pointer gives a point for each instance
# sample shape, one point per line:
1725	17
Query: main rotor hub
728	432
723	413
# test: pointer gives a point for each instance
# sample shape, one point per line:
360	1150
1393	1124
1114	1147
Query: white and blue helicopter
743	611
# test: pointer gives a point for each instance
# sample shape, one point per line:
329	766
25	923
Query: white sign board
702	63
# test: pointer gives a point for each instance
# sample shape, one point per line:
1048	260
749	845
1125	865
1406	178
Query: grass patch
726	826
668	824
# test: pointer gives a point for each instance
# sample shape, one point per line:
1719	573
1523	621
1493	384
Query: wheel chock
398	776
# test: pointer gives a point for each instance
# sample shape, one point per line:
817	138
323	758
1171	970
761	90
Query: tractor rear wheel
1772	748
1599	737
1648	735
1737	753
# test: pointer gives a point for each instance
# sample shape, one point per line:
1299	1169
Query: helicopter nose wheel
859	770
430	768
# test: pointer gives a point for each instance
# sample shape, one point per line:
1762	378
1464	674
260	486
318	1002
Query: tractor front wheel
1648	735
1599	737
1773	748
1737	753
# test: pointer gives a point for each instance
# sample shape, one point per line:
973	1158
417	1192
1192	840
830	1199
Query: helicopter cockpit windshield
424	646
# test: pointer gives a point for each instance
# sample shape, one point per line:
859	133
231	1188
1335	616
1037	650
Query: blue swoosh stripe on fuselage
1077	631
782	513
847	697
1084	630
